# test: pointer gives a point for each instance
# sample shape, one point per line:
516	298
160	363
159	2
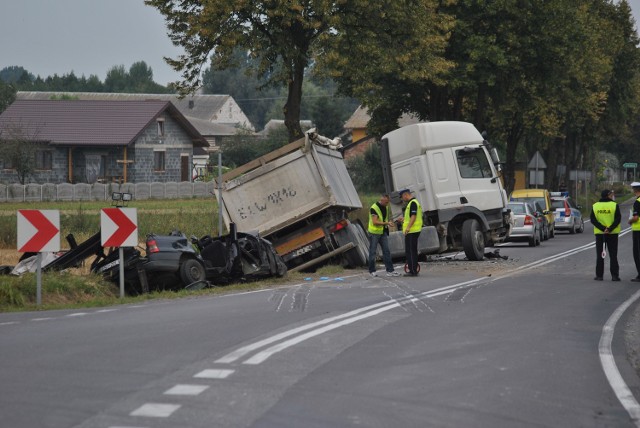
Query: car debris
171	262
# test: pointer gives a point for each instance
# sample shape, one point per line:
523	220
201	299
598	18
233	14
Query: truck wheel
472	240
191	271
359	255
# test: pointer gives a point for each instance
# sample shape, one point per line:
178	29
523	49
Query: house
356	125
82	141
214	116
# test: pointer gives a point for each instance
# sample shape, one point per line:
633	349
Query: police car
567	213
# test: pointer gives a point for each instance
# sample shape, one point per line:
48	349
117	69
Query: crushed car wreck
174	262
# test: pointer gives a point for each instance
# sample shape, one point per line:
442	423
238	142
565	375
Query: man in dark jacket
606	217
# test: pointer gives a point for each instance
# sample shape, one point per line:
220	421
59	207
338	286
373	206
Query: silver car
527	226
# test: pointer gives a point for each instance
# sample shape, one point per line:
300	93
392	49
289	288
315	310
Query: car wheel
545	233
472	240
573	228
191	271
552	231
532	241
581	228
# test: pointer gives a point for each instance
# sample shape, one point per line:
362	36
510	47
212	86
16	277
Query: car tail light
567	210
528	220
338	226
152	246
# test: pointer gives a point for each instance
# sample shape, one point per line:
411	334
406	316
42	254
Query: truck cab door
480	185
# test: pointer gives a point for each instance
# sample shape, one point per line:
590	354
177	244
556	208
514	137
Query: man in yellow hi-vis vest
411	228
634	221
379	221
605	217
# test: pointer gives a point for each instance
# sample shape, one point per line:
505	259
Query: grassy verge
68	290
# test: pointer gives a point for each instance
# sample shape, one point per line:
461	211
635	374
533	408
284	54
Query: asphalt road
516	342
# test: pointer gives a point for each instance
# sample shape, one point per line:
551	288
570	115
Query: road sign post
119	228
38	231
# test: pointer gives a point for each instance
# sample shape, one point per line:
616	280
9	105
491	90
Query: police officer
634	221
605	217
379	221
411	227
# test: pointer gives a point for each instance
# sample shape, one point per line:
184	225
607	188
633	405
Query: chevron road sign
119	227
38	231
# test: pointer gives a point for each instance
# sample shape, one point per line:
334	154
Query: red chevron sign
38	231
119	227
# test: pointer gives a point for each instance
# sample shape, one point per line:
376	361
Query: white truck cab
452	171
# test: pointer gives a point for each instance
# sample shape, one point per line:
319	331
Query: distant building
356	125
214	116
88	141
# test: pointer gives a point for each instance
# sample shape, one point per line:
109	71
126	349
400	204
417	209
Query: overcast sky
87	37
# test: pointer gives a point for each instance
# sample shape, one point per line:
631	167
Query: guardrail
99	192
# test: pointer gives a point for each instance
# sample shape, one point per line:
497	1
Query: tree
7	95
284	37
18	150
388	56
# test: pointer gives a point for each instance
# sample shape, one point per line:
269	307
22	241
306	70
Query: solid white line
214	374
155	410
182	389
609	366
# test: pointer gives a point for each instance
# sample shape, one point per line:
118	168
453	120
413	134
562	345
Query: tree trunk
292	107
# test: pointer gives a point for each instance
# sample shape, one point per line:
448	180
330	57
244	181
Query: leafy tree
18	149
15	74
7	95
365	171
283	36
389	56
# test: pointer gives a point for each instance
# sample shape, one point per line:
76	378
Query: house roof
91	123
360	118
201	110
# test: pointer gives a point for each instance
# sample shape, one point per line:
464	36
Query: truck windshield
473	163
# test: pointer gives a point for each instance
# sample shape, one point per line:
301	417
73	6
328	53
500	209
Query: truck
299	198
453	171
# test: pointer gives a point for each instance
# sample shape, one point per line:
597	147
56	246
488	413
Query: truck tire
359	255
191	271
472	240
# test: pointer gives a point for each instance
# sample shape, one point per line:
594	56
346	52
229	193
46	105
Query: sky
88	37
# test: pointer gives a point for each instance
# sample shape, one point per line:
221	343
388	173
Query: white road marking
125	427
9	323
106	310
77	314
42	319
155	410
182	389
214	374
609	366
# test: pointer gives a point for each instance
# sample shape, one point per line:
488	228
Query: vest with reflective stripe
417	225
605	213
377	229
636	226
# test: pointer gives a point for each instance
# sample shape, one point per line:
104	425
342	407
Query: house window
44	160
7	164
160	127
158	161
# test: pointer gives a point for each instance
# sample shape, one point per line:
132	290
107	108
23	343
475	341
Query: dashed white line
42	319
155	410
77	314
9	323
182	389
214	374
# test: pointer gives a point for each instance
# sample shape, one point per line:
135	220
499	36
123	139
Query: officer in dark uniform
605	217
634	221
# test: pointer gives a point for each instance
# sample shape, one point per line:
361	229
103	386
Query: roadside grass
72	290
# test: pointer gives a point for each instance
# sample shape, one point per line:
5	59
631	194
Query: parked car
542	219
541	195
527	227
567	213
